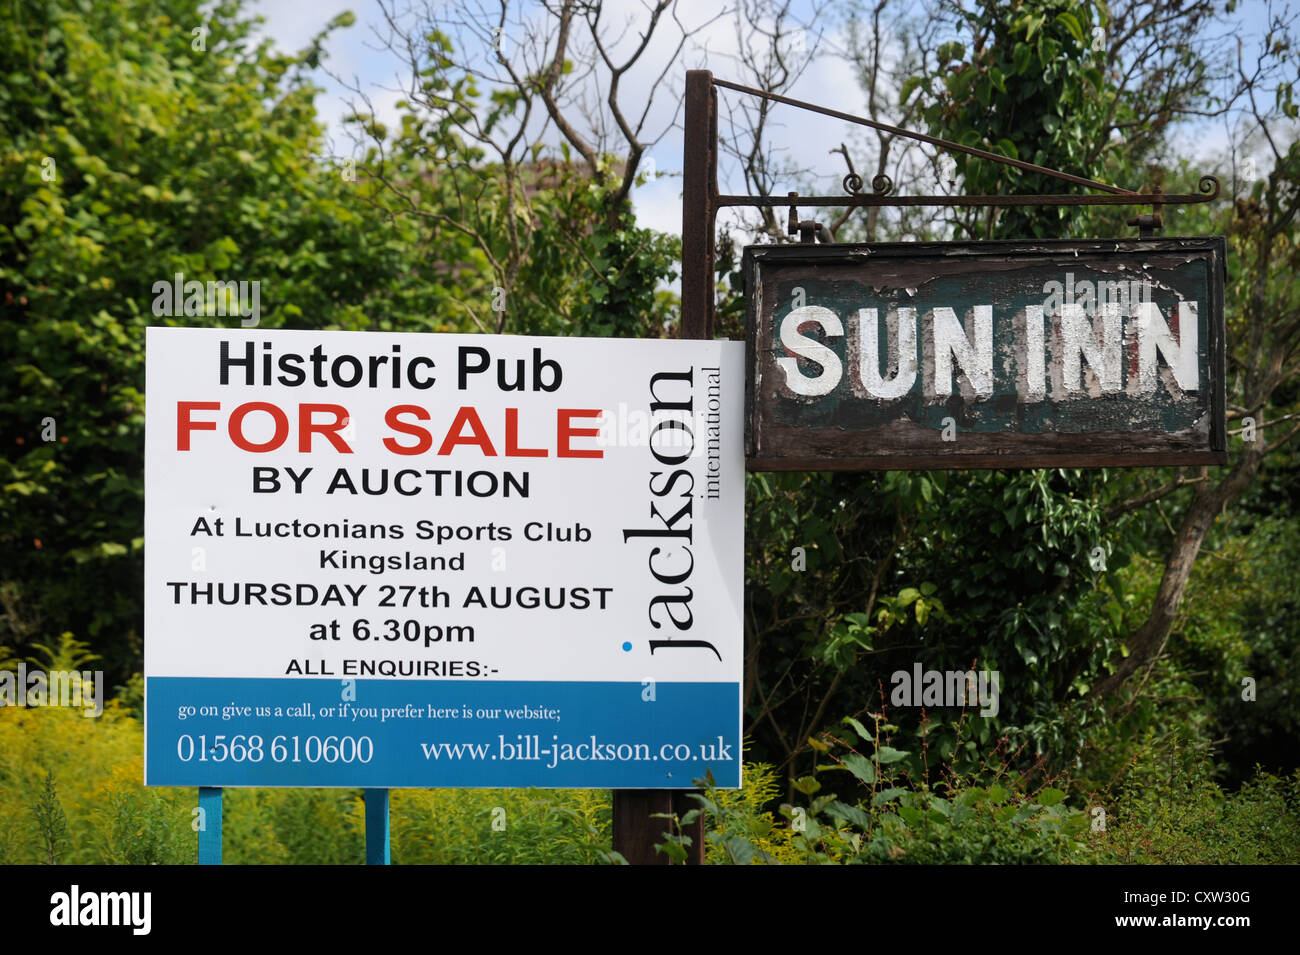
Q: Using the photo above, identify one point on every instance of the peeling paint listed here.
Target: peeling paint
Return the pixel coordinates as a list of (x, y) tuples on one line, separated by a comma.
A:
[(895, 338)]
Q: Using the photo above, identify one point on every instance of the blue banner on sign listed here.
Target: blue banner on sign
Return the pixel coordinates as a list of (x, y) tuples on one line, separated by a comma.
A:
[(209, 731)]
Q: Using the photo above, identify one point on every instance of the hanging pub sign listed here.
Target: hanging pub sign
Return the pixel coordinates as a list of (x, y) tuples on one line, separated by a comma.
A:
[(985, 354)]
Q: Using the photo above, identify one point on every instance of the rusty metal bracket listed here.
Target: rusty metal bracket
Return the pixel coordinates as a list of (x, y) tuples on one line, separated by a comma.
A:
[(1148, 223), (809, 230), (1207, 186)]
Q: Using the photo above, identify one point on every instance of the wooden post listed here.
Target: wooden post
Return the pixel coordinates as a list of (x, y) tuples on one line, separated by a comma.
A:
[(699, 204), (378, 849), (635, 832), (210, 830)]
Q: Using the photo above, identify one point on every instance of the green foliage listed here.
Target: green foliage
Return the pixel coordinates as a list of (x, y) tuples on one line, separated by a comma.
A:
[(530, 244), (740, 830), (1165, 810), (987, 817), (889, 820), (130, 156), (130, 696), (501, 826), (71, 791), (51, 821), (1030, 87), (137, 826), (1168, 811), (70, 654), (978, 826), (293, 826), (900, 569), (1246, 630)]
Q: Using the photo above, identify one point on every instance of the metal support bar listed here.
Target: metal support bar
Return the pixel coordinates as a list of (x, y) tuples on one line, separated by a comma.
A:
[(1208, 183), (1207, 186), (210, 825), (378, 851)]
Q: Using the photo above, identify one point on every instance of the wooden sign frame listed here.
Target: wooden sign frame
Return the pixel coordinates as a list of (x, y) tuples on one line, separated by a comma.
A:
[(852, 430)]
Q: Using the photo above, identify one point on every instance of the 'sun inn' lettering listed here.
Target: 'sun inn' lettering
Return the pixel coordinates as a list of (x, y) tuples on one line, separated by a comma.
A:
[(1079, 353)]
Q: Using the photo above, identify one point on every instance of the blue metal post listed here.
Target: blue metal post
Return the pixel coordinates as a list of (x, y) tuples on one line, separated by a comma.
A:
[(210, 831), (377, 832)]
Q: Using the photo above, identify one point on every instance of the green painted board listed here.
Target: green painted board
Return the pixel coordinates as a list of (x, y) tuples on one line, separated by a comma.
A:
[(1062, 353)]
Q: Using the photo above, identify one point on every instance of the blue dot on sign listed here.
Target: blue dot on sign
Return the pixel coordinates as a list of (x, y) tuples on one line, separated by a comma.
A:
[(626, 645)]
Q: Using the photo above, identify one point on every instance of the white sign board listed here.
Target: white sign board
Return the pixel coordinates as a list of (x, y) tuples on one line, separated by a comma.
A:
[(386, 560)]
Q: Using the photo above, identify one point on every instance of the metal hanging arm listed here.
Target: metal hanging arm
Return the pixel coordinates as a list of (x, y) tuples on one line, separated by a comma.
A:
[(1207, 186)]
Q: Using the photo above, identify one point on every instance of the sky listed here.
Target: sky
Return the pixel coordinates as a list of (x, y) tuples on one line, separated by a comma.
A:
[(356, 54)]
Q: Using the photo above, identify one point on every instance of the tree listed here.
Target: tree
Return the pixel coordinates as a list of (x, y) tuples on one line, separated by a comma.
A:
[(144, 139), (1080, 88), (517, 137), (1263, 340)]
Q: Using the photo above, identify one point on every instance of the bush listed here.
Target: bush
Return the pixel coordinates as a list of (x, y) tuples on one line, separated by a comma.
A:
[(1168, 810), (71, 791), (501, 826), (893, 821)]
